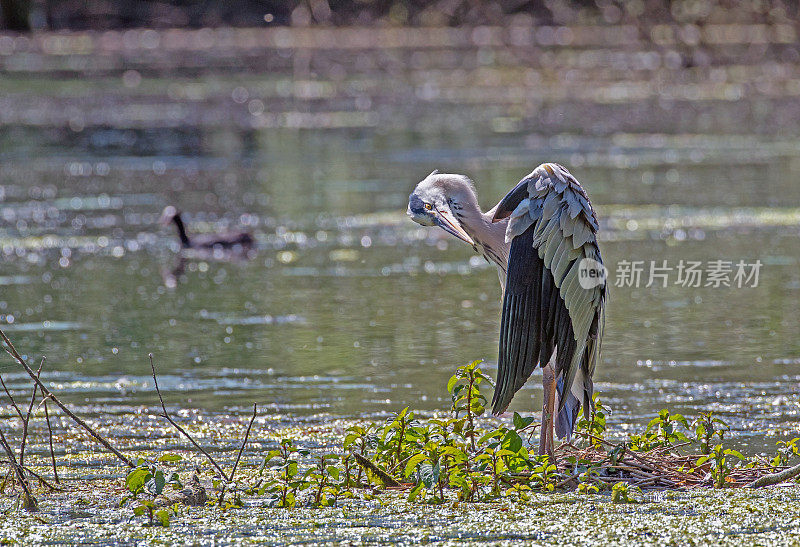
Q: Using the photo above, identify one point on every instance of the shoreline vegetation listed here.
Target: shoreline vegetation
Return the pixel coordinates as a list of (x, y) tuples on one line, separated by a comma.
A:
[(27, 15), (445, 459)]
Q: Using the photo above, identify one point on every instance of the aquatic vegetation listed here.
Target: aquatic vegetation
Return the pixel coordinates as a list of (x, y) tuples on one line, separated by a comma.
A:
[(662, 431), (707, 426), (451, 456), (149, 476), (786, 449), (622, 493), (595, 426), (721, 462), (421, 459)]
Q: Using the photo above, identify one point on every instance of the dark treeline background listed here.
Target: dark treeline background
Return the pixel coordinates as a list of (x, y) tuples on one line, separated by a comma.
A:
[(26, 15)]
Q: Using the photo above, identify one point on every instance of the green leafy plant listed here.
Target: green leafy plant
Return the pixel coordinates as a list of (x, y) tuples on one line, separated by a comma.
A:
[(288, 480), (721, 462), (464, 388), (621, 492), (707, 426), (786, 450), (595, 428), (325, 480), (661, 431), (399, 439), (156, 516), (441, 457), (358, 439), (150, 477)]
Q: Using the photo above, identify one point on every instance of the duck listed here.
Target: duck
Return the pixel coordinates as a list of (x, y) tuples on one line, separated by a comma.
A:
[(226, 240)]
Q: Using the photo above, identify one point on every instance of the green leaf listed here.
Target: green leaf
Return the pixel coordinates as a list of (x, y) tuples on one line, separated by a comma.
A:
[(170, 457), (136, 479), (518, 421), (271, 454), (415, 492), (413, 462), (162, 516), (491, 435), (350, 439), (512, 442), (429, 474), (158, 482), (451, 383)]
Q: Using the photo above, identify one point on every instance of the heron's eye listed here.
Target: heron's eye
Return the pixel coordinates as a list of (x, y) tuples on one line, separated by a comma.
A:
[(428, 206)]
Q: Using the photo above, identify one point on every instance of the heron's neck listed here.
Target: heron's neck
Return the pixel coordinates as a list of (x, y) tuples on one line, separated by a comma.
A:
[(181, 231), (485, 233)]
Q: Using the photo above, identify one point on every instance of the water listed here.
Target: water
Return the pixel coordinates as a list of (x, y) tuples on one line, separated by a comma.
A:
[(348, 308)]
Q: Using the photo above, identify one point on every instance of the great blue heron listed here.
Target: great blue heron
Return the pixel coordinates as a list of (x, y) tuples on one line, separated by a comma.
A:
[(542, 237), (228, 240)]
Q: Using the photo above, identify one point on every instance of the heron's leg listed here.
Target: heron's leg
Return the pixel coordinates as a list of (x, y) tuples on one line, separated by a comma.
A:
[(551, 408), (546, 433)]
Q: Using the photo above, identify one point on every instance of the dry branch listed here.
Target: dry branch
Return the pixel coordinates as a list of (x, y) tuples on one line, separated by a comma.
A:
[(27, 419), (50, 440), (664, 467), (241, 449), (47, 393), (13, 402), (775, 478), (29, 502), (180, 429)]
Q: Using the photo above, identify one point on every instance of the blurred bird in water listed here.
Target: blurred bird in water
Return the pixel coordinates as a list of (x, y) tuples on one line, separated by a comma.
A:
[(227, 240), (542, 237)]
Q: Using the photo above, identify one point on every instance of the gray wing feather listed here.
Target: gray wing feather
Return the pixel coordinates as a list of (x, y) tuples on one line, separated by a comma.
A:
[(544, 304)]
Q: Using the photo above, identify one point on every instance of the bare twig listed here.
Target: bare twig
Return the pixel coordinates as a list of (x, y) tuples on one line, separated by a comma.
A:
[(37, 476), (241, 449), (29, 502), (27, 419), (47, 393), (775, 478), (244, 442), (50, 439), (13, 402), (180, 429), (568, 480)]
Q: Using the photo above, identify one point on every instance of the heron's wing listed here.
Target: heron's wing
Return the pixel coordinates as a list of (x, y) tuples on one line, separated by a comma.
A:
[(545, 305)]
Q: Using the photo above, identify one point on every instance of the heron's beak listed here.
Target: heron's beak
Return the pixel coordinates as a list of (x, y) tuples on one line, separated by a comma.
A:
[(449, 223)]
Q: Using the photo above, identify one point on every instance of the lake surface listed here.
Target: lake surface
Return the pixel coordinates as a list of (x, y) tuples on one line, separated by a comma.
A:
[(348, 308)]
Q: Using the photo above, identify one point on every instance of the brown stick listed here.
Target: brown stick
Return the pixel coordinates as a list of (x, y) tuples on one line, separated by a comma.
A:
[(244, 442), (29, 502), (50, 439), (775, 478), (180, 429), (13, 402), (38, 477), (49, 394), (241, 449), (27, 419), (382, 475)]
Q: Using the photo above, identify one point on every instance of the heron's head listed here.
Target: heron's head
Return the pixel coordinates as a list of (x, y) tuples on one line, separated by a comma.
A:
[(168, 215), (440, 200)]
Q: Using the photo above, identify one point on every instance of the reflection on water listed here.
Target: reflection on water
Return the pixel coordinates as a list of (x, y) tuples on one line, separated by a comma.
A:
[(347, 307)]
